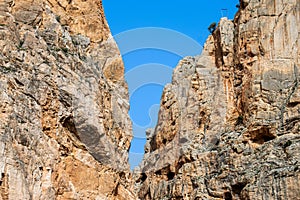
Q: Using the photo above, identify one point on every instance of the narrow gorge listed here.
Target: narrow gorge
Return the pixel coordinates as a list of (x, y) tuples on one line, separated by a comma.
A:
[(228, 125)]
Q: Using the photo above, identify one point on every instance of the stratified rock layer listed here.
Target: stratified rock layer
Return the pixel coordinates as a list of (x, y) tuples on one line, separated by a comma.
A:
[(229, 122), (64, 128)]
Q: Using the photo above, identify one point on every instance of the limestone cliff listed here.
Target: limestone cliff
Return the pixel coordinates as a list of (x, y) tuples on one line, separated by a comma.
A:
[(229, 122), (64, 128)]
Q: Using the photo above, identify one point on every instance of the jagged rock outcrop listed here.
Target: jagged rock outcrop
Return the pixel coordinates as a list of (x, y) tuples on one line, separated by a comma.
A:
[(229, 122), (64, 127)]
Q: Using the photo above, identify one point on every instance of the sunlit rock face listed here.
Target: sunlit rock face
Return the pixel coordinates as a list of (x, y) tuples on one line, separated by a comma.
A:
[(64, 127), (229, 122)]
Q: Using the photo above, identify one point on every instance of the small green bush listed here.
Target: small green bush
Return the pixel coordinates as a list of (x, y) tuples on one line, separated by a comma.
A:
[(287, 144), (212, 27), (57, 17), (239, 120)]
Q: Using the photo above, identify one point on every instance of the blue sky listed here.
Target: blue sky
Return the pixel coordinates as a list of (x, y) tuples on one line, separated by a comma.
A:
[(181, 31)]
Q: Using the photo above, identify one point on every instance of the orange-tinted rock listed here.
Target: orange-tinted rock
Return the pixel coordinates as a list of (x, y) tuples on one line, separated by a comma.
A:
[(64, 128)]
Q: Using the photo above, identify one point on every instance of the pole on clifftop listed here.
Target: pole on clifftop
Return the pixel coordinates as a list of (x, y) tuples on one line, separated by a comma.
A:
[(224, 12)]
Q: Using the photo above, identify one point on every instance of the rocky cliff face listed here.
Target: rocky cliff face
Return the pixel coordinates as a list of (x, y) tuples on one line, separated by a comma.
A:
[(64, 128), (228, 125), (229, 122)]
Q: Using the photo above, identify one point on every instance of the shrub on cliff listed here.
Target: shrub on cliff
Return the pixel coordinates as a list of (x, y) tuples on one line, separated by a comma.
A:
[(212, 27)]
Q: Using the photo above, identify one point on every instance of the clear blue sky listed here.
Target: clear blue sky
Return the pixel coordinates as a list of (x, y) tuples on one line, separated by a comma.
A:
[(189, 17)]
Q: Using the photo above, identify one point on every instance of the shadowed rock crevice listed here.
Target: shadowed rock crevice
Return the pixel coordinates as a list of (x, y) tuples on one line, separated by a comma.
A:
[(69, 124), (4, 187), (238, 187), (219, 62), (261, 135), (227, 196)]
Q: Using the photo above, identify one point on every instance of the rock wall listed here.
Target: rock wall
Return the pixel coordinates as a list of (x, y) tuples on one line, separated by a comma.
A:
[(229, 122), (64, 128)]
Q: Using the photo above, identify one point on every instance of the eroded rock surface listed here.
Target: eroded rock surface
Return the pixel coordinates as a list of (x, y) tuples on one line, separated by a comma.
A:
[(64, 128), (229, 122), (228, 126)]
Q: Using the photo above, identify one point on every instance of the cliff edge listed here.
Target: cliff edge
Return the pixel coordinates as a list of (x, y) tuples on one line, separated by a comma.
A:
[(229, 122), (64, 127)]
